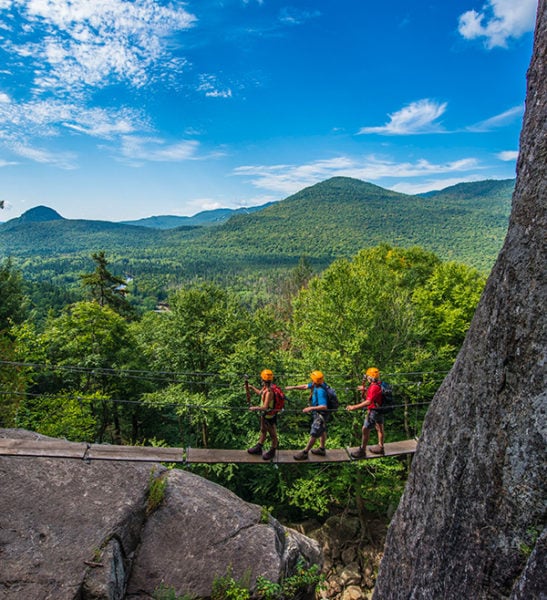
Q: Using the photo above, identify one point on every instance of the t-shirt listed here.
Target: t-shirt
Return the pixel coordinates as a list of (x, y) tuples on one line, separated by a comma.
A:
[(319, 395), (374, 394)]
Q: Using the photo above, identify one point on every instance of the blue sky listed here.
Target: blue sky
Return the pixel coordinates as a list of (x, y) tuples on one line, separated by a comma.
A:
[(117, 110)]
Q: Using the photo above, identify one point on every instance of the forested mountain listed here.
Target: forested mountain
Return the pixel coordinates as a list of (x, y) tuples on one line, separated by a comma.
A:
[(203, 218), (38, 214), (329, 220)]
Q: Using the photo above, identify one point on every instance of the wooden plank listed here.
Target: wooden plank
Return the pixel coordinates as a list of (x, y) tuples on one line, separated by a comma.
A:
[(135, 453), (42, 448), (332, 455), (390, 449), (212, 456), (402, 447)]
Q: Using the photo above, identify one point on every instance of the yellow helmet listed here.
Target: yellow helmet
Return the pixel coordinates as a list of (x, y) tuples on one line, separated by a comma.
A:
[(317, 377), (266, 375), (373, 372)]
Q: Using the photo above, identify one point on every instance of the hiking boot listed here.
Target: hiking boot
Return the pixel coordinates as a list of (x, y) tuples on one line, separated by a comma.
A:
[(301, 455), (257, 449), (319, 451), (359, 453), (376, 449), (269, 454)]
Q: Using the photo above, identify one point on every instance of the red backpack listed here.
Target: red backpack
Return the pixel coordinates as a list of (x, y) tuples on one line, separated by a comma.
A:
[(279, 400)]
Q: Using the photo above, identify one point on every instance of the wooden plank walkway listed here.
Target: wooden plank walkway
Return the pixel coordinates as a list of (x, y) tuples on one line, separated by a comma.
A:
[(135, 453), (88, 452), (211, 456), (42, 448)]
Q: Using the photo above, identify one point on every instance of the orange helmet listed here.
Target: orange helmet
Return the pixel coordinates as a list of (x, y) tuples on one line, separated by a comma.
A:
[(373, 372), (317, 377), (266, 375)]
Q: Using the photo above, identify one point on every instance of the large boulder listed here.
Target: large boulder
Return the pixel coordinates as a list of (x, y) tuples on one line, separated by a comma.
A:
[(471, 520), (71, 529)]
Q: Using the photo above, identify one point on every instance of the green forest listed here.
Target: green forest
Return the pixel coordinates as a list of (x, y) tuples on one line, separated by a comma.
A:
[(253, 251), (98, 367)]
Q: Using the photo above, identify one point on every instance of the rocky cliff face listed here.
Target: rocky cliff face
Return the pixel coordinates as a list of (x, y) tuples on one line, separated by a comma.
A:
[(92, 531), (471, 521)]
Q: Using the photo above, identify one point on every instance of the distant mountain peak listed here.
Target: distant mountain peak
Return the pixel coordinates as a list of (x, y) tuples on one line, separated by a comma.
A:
[(39, 214)]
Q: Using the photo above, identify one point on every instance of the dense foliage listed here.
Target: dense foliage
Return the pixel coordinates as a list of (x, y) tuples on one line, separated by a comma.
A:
[(93, 372)]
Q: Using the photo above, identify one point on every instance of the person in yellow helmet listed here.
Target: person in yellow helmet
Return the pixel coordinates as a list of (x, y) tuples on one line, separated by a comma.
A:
[(319, 409), (372, 400), (268, 418)]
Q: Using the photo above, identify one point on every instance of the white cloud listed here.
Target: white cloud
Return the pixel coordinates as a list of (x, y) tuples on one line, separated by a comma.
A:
[(508, 155), (63, 160), (295, 16), (47, 118), (41, 120), (431, 184), (416, 117), (497, 121), (210, 87), (72, 45), (288, 179), (498, 21), (6, 163), (137, 149)]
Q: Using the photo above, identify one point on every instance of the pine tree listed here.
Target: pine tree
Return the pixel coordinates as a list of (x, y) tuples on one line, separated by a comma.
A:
[(105, 288)]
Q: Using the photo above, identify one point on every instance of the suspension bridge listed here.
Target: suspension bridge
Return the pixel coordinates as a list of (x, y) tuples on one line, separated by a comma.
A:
[(24, 447)]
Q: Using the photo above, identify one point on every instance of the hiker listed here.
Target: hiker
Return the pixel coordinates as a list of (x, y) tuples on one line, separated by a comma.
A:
[(268, 418), (318, 407), (374, 419)]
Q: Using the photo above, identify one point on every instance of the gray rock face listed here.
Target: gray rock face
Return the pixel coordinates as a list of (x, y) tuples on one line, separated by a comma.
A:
[(471, 521), (69, 529)]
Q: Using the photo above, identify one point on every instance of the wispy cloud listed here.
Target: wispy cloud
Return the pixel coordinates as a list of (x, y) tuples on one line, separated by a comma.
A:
[(428, 185), (288, 179), (508, 155), (498, 21), (415, 118), (43, 119), (294, 16), (72, 45), (127, 131), (64, 52), (210, 86), (136, 150), (63, 160), (497, 121), (6, 163)]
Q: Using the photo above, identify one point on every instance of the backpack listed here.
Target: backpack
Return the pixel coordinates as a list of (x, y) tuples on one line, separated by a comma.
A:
[(332, 398), (279, 400), (388, 405)]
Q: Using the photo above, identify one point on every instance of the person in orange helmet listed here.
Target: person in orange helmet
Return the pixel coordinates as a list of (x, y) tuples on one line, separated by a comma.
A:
[(268, 417), (319, 409), (374, 419)]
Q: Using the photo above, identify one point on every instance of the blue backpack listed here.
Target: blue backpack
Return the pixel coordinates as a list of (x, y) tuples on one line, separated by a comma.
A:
[(388, 404), (332, 398)]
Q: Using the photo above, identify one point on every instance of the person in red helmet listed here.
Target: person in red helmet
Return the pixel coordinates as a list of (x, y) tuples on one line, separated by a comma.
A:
[(319, 409), (268, 418), (374, 420)]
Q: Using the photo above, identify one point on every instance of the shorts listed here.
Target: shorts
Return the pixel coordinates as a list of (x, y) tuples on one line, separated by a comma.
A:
[(372, 419), (269, 421), (318, 425)]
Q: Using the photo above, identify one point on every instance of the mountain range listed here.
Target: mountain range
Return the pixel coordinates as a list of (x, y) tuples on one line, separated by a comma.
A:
[(332, 219)]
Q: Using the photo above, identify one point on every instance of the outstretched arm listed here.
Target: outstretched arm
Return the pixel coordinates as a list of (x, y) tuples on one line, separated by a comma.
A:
[(363, 404)]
